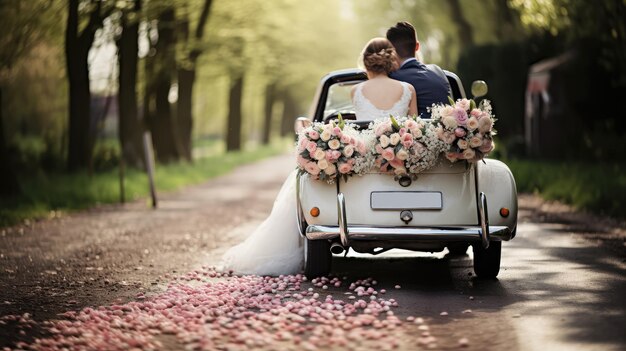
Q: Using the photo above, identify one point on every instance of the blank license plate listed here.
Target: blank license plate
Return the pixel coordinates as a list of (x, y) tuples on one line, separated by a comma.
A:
[(406, 200)]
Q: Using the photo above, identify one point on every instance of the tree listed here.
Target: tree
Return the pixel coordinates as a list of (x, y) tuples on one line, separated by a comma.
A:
[(160, 70), (130, 127), (187, 75), (24, 24), (77, 45)]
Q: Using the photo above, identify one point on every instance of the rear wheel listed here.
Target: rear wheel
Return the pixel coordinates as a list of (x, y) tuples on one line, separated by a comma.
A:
[(487, 261), (458, 249), (317, 258)]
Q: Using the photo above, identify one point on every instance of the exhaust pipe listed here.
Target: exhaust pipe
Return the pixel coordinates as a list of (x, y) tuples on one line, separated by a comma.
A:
[(336, 248)]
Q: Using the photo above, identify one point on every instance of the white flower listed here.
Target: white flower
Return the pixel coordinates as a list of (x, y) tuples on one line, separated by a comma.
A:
[(334, 144), (384, 141), (462, 143), (331, 169), (447, 111), (322, 164), (416, 132), (394, 139), (402, 155), (348, 150), (472, 123), (319, 154), (449, 122), (325, 135)]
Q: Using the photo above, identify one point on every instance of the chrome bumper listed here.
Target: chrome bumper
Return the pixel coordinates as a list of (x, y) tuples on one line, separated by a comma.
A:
[(483, 232), (364, 233)]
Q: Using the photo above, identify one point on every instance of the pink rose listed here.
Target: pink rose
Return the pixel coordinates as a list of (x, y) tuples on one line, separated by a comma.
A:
[(407, 140), (464, 104), (302, 161), (452, 156), (353, 141), (314, 135), (469, 154), (336, 154), (402, 131), (361, 147), (411, 125), (351, 161), (460, 115), (312, 168), (329, 155), (388, 154), (302, 143), (476, 113), (448, 137), (311, 147), (459, 132), (486, 147), (345, 168), (337, 131), (345, 139), (379, 149), (485, 125)]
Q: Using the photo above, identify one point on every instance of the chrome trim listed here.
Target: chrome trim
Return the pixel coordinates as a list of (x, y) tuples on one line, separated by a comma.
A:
[(365, 233), (484, 220), (343, 222), (299, 213)]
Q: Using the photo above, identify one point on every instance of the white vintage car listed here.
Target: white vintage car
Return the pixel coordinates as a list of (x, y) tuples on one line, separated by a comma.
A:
[(443, 207)]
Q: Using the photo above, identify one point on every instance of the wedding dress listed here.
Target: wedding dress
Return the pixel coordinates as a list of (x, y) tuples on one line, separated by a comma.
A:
[(275, 247), (365, 110)]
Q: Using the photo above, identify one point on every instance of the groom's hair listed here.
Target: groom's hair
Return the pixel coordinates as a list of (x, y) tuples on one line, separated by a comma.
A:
[(403, 38)]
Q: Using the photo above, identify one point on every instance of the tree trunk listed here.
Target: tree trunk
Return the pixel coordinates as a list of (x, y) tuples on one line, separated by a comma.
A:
[(164, 128), (9, 185), (269, 104), (130, 127), (186, 80), (76, 54), (289, 114), (464, 29), (233, 133), (77, 45)]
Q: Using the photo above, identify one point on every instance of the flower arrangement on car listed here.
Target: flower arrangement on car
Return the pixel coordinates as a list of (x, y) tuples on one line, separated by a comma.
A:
[(405, 145), (329, 151), (466, 128)]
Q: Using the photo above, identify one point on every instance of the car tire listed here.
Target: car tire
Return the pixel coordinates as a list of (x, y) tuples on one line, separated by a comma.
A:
[(317, 258), (458, 249), (487, 261)]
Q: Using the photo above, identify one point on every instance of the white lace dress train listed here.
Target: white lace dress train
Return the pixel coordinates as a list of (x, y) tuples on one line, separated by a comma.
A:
[(274, 248)]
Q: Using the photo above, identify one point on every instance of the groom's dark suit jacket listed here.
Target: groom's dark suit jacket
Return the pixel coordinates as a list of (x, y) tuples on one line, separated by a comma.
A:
[(430, 86)]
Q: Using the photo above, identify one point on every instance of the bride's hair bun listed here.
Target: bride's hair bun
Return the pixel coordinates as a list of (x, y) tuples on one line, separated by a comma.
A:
[(379, 56)]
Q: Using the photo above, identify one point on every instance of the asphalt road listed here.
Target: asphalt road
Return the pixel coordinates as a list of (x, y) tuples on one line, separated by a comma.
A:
[(556, 290)]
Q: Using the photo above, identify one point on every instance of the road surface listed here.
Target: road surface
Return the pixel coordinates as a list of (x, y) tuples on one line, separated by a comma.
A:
[(556, 290)]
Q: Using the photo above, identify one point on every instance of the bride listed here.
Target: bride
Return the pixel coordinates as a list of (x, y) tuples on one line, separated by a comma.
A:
[(275, 248)]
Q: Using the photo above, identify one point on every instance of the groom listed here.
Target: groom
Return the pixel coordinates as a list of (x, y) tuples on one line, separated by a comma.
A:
[(430, 83)]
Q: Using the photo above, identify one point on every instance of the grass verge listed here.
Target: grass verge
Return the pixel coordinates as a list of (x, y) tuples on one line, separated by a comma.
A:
[(598, 188), (45, 195)]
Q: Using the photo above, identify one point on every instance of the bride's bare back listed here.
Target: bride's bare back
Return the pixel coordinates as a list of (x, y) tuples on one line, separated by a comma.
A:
[(381, 96)]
